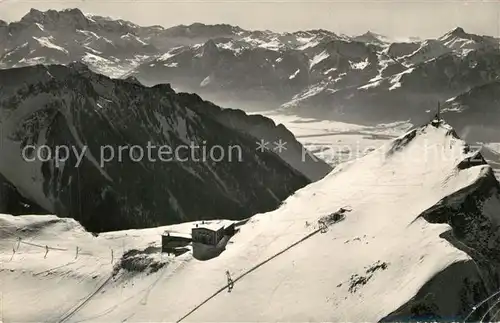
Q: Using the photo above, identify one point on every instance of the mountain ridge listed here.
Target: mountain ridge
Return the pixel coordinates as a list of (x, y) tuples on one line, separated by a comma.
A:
[(69, 99), (314, 73)]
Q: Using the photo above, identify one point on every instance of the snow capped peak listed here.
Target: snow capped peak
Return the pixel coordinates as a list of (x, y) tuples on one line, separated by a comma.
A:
[(459, 32), (37, 15), (435, 145), (464, 42), (210, 47), (57, 19), (429, 49), (202, 25), (78, 66), (322, 32), (370, 34), (75, 12), (198, 29), (371, 37), (34, 15)]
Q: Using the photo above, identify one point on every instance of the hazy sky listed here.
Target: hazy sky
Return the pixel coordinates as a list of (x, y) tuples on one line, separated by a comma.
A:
[(393, 18)]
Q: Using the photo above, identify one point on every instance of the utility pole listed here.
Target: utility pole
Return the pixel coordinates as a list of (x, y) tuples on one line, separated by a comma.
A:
[(437, 117), (230, 282)]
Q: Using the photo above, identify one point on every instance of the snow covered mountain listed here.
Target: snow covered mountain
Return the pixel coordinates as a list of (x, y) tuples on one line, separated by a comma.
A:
[(429, 49), (109, 46), (264, 70), (407, 94), (476, 113), (417, 240), (92, 116), (460, 40), (360, 80), (374, 38), (69, 35)]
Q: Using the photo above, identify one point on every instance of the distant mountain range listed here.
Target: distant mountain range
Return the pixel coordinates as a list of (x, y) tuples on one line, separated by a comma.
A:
[(362, 79)]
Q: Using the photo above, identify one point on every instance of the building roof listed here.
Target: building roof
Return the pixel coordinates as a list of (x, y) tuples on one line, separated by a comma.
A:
[(176, 234), (213, 226)]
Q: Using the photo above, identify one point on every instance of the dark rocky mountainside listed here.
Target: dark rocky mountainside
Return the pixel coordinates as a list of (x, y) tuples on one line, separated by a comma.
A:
[(74, 107), (12, 202), (476, 113), (264, 128)]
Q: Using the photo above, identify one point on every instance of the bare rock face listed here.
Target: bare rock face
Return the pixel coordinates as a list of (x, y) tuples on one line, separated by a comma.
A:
[(266, 130), (12, 202)]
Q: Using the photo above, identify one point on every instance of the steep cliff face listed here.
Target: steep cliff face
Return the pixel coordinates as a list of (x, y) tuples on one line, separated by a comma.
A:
[(472, 214), (475, 113), (266, 130), (11, 202), (207, 169)]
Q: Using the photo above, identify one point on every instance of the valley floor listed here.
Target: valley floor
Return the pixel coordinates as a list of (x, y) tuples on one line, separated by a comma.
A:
[(337, 142)]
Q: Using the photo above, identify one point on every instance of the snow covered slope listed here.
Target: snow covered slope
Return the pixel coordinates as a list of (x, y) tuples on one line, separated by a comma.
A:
[(419, 239), (429, 49)]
